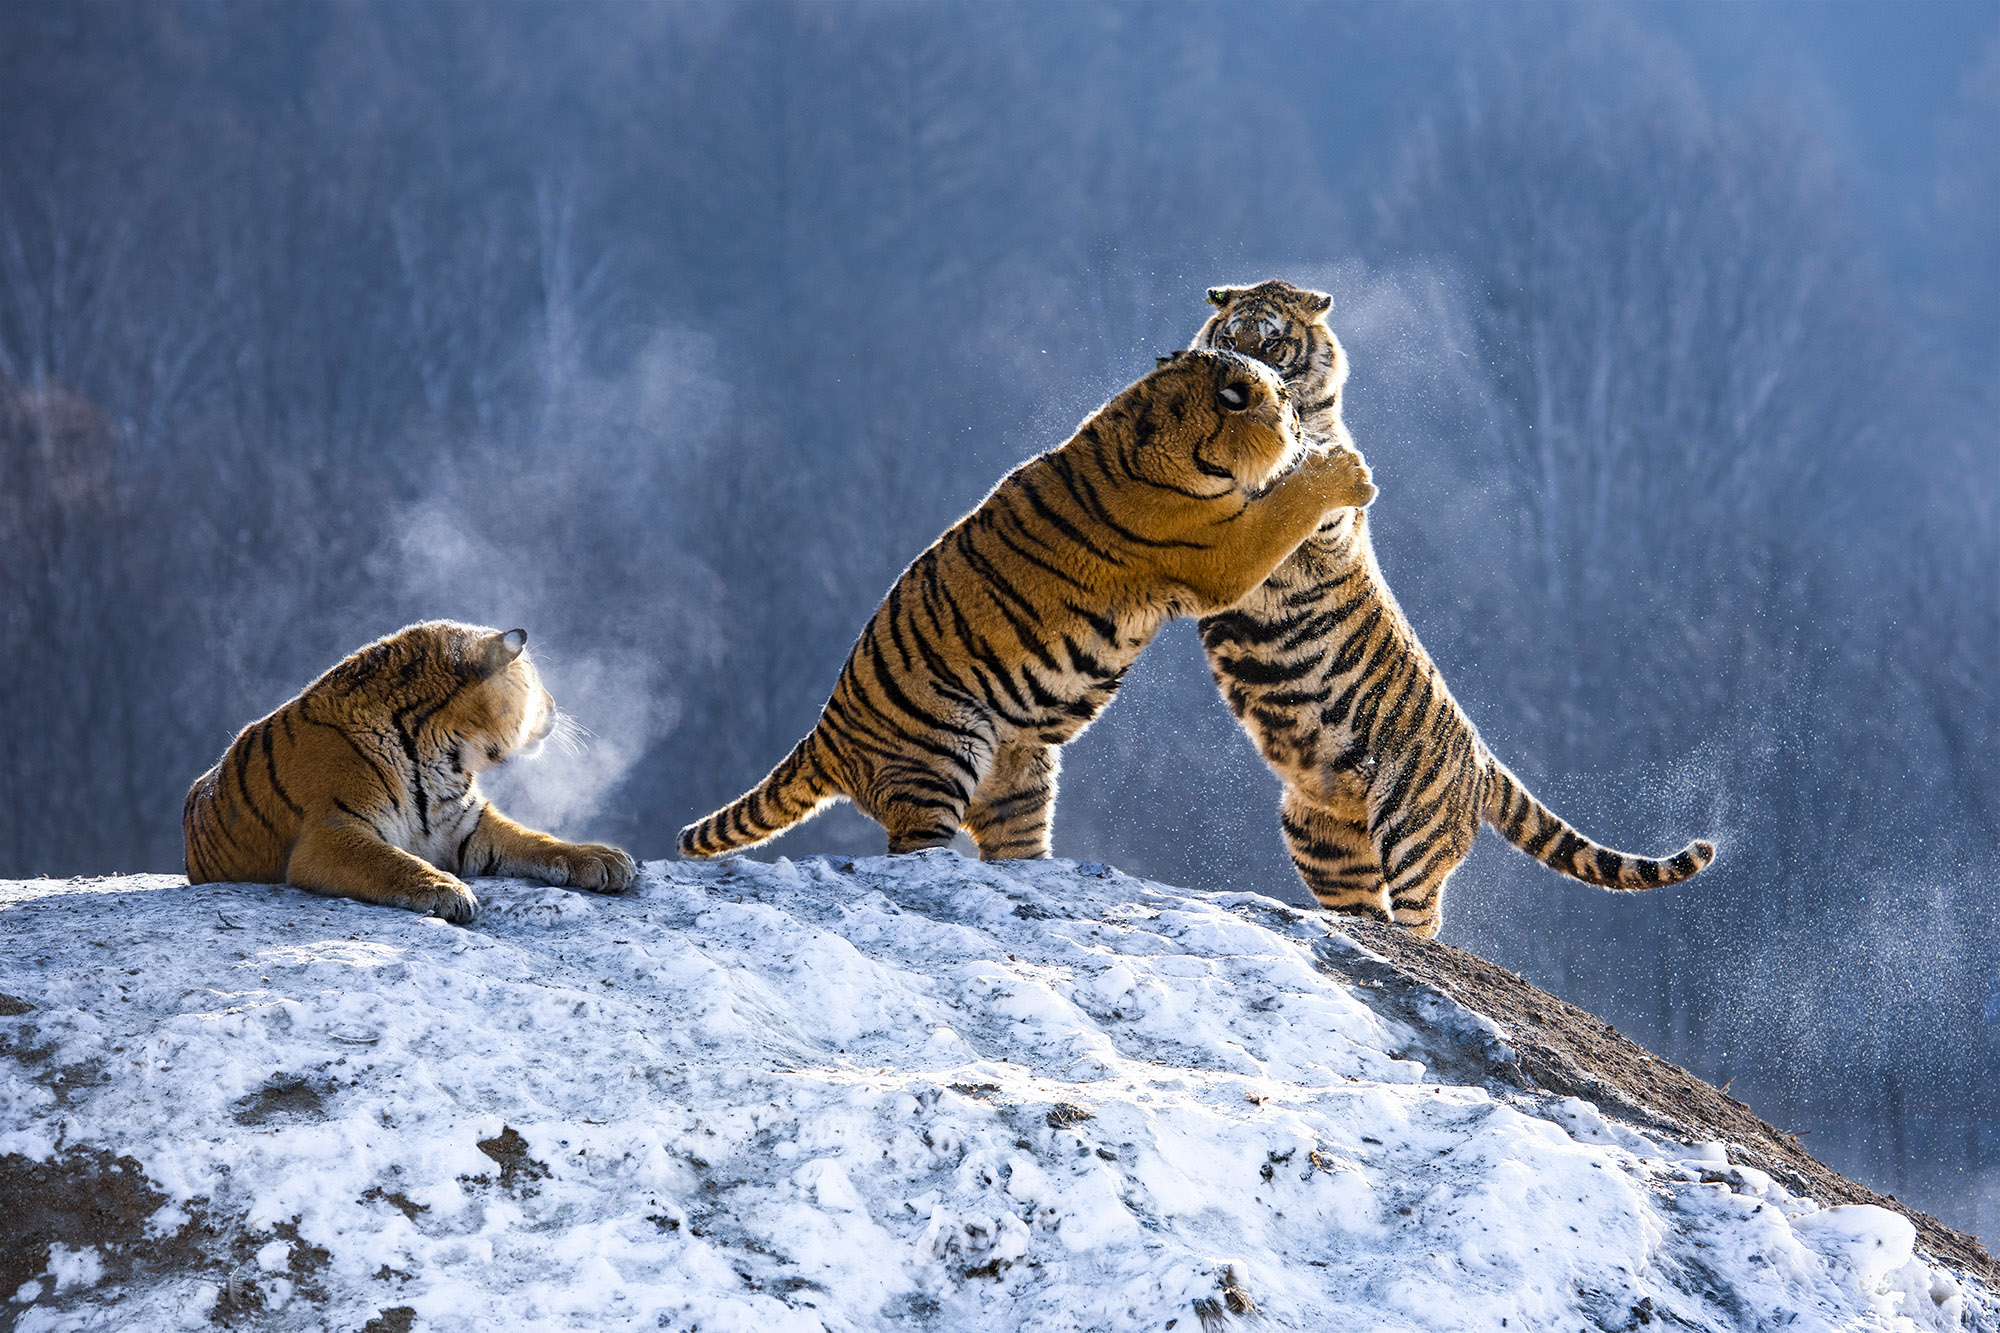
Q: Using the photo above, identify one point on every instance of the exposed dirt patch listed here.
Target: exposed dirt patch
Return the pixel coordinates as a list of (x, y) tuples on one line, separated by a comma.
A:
[(1567, 1052), (400, 1201), (518, 1171), (282, 1101), (398, 1319), (246, 1288), (87, 1199), (12, 1006), (81, 1199)]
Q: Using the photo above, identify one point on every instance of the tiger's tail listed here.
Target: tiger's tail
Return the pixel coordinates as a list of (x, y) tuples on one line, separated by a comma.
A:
[(1524, 821), (796, 790)]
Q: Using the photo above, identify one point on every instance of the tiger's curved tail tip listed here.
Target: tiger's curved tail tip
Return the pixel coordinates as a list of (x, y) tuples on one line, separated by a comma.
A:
[(706, 839), (1688, 862)]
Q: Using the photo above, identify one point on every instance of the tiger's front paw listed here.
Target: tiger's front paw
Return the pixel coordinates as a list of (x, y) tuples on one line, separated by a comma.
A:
[(443, 897), (1342, 477), (594, 866)]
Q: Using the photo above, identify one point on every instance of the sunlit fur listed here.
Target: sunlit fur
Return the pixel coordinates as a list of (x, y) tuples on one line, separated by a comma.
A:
[(367, 784), (1386, 781), (1004, 639)]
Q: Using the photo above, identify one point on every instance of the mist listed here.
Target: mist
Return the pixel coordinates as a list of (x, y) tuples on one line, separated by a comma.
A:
[(671, 333)]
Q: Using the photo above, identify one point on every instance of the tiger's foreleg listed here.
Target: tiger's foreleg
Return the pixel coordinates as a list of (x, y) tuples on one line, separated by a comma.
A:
[(343, 856), (1270, 526), (1009, 814), (499, 846), (1332, 852)]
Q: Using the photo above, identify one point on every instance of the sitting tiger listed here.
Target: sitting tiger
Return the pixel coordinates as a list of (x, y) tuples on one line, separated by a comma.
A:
[(367, 784), (1385, 780), (1005, 638)]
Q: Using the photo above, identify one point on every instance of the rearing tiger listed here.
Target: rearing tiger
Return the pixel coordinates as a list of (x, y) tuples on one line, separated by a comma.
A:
[(1386, 781), (1004, 639)]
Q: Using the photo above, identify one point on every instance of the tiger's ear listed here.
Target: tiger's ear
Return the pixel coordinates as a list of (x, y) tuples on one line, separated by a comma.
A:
[(1318, 303), (1219, 296), (496, 652)]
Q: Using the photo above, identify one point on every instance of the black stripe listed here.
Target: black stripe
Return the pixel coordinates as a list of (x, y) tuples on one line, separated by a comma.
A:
[(422, 797), (1063, 525), (1001, 591), (1563, 855), (1088, 499), (998, 810), (1036, 560), (271, 774), (242, 771), (1251, 671), (359, 818), (1414, 682), (886, 681), (381, 775), (1104, 626), (1544, 835)]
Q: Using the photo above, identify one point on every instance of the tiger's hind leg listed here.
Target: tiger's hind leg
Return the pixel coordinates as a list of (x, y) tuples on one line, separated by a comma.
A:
[(1421, 841), (920, 806), (1009, 814), (1331, 850)]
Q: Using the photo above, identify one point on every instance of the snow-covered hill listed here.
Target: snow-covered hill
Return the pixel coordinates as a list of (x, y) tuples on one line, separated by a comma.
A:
[(913, 1092)]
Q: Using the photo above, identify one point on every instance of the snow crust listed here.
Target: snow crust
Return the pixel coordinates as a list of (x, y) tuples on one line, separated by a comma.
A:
[(911, 1092)]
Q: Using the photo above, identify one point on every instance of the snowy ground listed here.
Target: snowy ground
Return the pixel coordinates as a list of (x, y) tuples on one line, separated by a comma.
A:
[(915, 1092)]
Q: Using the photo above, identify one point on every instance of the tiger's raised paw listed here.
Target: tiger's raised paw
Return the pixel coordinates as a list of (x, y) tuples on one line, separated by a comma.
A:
[(593, 866), (1342, 475)]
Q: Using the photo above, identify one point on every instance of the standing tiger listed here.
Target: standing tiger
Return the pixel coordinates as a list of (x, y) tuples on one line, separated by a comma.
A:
[(367, 784), (1004, 639), (1386, 782)]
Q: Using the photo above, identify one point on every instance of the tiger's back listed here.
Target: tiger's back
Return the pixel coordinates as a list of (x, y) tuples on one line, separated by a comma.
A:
[(1385, 779)]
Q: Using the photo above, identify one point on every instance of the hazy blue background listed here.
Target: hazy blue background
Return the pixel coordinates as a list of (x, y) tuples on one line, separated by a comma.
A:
[(672, 332)]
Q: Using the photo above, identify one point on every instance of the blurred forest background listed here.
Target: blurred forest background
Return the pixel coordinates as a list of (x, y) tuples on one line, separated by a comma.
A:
[(673, 331)]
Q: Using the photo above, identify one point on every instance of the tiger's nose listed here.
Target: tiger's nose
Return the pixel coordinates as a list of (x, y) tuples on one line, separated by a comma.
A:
[(1241, 338)]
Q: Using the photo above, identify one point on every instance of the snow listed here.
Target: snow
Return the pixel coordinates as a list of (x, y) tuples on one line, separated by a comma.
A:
[(910, 1092)]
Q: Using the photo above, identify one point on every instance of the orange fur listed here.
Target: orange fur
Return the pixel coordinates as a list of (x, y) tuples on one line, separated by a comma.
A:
[(366, 784)]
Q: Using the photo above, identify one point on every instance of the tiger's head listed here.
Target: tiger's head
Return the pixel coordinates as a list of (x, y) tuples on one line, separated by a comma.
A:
[(468, 690), (1284, 327), (1209, 420), (504, 707)]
